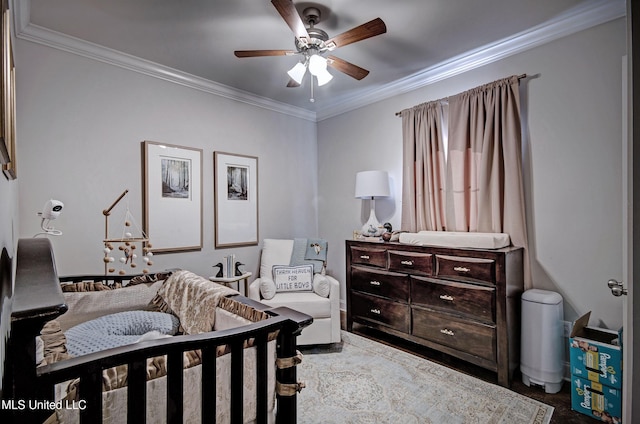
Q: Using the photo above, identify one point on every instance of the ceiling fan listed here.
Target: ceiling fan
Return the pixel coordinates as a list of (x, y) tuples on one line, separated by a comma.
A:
[(313, 44)]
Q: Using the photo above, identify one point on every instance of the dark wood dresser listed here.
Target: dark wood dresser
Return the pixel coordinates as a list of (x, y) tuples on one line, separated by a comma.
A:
[(463, 302)]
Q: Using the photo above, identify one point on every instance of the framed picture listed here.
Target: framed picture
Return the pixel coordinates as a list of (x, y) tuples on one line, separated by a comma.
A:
[(7, 99), (172, 197), (236, 199)]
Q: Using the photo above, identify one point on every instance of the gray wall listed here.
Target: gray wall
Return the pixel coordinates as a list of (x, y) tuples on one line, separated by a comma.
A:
[(572, 164), (80, 125)]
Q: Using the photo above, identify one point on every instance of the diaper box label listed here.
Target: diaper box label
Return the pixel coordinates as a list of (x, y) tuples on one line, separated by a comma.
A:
[(595, 354), (596, 400)]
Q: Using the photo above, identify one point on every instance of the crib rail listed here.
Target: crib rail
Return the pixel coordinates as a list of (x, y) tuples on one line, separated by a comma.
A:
[(89, 369)]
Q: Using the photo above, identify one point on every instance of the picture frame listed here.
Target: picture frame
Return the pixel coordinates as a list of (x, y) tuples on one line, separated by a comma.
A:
[(7, 98), (236, 199), (172, 197)]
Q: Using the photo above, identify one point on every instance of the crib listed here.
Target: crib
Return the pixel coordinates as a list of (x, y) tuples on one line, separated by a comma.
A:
[(29, 391)]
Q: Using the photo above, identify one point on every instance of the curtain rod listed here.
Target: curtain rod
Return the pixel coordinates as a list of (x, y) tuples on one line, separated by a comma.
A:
[(521, 76)]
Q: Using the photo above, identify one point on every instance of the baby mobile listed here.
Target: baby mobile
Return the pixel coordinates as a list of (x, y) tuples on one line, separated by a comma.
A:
[(128, 245)]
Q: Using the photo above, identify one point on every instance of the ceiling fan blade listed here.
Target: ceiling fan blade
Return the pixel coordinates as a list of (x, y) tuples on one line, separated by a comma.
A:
[(348, 68), (292, 83), (257, 53), (290, 15), (359, 33)]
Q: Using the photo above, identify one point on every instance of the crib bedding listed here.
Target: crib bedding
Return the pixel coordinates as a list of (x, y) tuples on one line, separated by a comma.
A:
[(214, 312), (117, 330)]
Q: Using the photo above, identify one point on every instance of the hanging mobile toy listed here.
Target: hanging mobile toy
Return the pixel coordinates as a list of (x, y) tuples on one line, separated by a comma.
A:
[(128, 243)]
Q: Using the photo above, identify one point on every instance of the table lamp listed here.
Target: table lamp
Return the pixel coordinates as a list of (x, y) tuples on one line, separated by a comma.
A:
[(369, 185)]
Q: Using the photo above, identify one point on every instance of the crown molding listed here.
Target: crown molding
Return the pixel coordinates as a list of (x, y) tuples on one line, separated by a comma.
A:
[(586, 16), (37, 34), (593, 13)]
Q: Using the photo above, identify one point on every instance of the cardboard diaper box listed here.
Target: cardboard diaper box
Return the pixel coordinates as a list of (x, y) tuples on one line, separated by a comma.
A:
[(596, 371), (596, 400), (596, 353)]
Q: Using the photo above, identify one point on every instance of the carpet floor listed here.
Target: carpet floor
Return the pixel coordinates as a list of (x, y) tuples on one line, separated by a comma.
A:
[(362, 381)]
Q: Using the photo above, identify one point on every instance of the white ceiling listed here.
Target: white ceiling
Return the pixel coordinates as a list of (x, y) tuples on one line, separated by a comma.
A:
[(197, 38)]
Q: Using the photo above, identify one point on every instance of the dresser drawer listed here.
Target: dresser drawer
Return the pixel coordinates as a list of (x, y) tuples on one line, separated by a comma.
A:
[(381, 311), (369, 256), (381, 283), (475, 301), (410, 262), (467, 336), (471, 269)]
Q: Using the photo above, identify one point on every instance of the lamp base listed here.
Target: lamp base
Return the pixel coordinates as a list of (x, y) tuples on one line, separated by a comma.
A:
[(372, 228)]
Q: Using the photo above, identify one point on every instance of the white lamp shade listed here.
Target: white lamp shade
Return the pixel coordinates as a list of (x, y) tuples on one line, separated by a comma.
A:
[(370, 184), (297, 72), (317, 64), (323, 77)]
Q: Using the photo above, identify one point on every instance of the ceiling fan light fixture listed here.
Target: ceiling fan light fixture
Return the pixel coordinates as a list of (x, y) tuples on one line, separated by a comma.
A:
[(312, 42), (323, 77), (317, 64), (297, 72)]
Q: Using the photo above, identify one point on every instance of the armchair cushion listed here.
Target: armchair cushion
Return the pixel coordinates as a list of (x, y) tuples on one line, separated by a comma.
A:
[(274, 252), (321, 285), (267, 288), (293, 278)]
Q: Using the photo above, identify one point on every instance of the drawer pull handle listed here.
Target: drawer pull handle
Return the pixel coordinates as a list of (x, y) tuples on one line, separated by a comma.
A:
[(375, 283), (376, 311), (408, 263), (446, 297), (364, 257), (461, 269), (447, 332)]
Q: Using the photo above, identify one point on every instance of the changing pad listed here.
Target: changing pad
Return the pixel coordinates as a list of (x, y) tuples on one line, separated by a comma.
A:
[(458, 239)]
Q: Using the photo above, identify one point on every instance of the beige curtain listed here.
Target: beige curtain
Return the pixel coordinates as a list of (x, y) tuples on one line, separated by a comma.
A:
[(484, 167), (423, 171)]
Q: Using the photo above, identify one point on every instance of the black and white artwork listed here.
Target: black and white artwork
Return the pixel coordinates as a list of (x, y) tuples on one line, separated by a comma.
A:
[(176, 177), (235, 178), (172, 180), (237, 183)]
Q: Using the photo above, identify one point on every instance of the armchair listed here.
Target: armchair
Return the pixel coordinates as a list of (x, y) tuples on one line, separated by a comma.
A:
[(324, 310)]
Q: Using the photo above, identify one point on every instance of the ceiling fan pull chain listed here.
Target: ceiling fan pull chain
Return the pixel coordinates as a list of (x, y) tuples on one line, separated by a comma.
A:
[(312, 100)]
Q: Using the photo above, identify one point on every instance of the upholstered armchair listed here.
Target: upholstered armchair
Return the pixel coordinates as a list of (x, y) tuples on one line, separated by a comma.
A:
[(318, 295)]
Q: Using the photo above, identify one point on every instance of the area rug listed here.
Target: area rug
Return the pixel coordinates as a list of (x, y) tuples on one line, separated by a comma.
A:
[(369, 382)]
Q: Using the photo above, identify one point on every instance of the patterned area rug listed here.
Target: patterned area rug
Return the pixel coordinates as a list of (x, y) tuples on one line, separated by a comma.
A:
[(369, 382)]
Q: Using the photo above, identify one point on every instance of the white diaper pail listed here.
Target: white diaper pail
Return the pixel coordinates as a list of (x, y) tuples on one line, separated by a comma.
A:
[(542, 347)]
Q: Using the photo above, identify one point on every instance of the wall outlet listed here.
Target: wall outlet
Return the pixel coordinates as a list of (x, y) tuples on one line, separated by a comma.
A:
[(567, 328)]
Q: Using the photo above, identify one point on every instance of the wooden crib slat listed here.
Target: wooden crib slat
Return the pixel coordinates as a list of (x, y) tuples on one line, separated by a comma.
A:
[(175, 387), (209, 394), (137, 392), (261, 378), (237, 381), (90, 390)]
